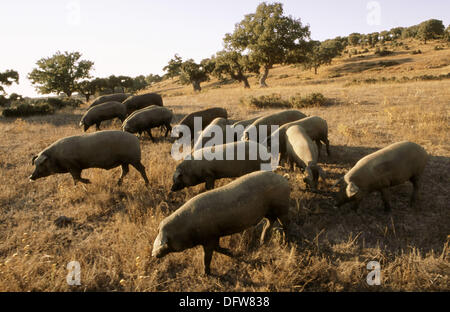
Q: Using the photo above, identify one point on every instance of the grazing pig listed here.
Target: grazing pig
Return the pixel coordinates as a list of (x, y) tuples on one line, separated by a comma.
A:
[(147, 118), (276, 119), (102, 112), (116, 97), (136, 102), (207, 134), (103, 149), (245, 123), (207, 115), (315, 127), (201, 167), (301, 150), (230, 209), (392, 165), (239, 127)]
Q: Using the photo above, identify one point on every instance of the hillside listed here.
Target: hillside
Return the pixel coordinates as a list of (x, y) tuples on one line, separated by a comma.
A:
[(114, 227)]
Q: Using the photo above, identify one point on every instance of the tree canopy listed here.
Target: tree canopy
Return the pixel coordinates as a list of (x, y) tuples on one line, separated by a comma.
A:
[(430, 29), (354, 38), (269, 37), (151, 78), (194, 74), (447, 34), (234, 65), (173, 69), (60, 73), (322, 53), (7, 78)]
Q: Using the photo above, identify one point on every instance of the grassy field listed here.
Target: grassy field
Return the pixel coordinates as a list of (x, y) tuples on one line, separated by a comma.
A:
[(114, 227)]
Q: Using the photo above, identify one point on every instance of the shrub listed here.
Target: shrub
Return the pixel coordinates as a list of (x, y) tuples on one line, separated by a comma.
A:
[(275, 101), (264, 101), (25, 110), (402, 79), (437, 48), (283, 76), (4, 101), (370, 80), (58, 103), (416, 52), (311, 100)]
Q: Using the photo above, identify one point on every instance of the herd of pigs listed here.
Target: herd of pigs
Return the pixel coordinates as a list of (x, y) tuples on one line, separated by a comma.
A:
[(254, 195)]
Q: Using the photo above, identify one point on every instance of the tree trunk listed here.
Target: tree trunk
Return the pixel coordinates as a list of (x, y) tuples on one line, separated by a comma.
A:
[(315, 70), (196, 86), (245, 81), (262, 80)]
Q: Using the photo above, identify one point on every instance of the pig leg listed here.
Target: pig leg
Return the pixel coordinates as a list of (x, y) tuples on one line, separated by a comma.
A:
[(208, 249), (209, 183), (291, 164), (76, 175), (140, 167), (415, 195), (222, 250), (168, 129), (149, 131), (97, 126), (125, 169), (319, 147), (327, 144), (385, 196)]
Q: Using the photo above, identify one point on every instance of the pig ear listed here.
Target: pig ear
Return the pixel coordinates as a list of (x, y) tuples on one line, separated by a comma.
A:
[(40, 160), (176, 174), (351, 189), (33, 159), (160, 245)]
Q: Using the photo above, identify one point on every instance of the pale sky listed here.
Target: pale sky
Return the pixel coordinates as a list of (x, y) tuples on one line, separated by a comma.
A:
[(138, 37)]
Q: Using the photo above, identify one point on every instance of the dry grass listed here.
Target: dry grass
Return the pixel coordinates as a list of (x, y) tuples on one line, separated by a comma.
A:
[(114, 227)]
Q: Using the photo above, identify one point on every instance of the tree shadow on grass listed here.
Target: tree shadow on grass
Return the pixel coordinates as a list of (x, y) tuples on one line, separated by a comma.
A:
[(400, 230), (365, 57), (358, 67), (58, 119)]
